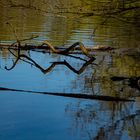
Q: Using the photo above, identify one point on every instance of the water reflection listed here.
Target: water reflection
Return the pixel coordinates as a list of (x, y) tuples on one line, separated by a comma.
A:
[(29, 60), (66, 29), (133, 82), (85, 118), (104, 121)]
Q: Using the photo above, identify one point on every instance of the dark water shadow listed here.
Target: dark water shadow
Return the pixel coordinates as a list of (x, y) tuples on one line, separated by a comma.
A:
[(133, 82)]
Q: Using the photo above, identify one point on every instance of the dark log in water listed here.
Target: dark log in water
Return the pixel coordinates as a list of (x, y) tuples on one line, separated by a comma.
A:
[(72, 95), (62, 50)]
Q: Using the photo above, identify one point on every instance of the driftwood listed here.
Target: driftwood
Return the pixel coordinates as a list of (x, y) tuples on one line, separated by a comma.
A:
[(59, 50), (45, 46), (19, 56), (67, 50), (72, 95)]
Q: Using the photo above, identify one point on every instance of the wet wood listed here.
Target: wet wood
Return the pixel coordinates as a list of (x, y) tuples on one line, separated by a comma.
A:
[(61, 50)]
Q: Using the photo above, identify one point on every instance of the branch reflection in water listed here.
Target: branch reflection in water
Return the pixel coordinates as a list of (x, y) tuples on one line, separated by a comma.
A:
[(32, 62)]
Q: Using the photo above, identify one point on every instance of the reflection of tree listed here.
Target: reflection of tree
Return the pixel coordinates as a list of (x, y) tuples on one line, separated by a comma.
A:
[(29, 60), (100, 123), (128, 87), (133, 82), (121, 125), (32, 62), (116, 75)]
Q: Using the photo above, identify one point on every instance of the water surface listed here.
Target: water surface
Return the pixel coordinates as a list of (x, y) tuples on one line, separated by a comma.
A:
[(36, 116)]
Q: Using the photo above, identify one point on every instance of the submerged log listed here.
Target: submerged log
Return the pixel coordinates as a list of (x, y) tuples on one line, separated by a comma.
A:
[(55, 49), (72, 95)]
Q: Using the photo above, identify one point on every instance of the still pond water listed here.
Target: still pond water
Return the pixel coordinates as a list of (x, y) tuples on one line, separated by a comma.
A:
[(28, 116)]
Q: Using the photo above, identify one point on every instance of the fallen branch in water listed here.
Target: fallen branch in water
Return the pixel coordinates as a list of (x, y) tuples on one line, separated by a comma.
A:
[(72, 95), (46, 46), (31, 47), (67, 50)]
